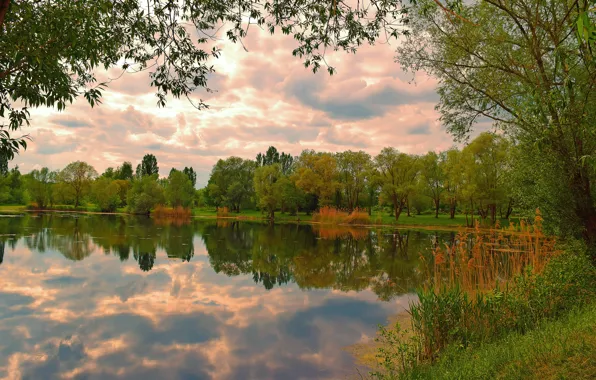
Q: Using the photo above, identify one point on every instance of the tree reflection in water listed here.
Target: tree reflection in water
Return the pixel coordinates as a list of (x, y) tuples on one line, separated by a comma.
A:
[(312, 257)]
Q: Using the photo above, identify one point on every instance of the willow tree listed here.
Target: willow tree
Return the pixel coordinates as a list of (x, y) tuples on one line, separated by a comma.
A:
[(521, 64)]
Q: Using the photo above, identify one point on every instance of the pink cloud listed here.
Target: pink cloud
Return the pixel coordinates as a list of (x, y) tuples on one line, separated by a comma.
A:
[(264, 97)]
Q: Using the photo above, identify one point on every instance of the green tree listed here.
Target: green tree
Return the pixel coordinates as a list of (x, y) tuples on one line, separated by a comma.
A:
[(268, 193), (39, 184), (231, 183), (179, 191), (316, 173), (453, 168), (521, 64), (78, 176), (398, 173), (353, 170), (124, 172), (109, 173), (191, 174), (148, 166), (145, 194), (106, 193), (433, 178)]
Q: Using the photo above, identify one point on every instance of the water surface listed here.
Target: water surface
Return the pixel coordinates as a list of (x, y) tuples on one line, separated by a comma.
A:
[(101, 297)]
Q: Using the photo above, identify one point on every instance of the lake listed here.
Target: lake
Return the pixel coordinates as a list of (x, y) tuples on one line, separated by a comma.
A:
[(100, 297)]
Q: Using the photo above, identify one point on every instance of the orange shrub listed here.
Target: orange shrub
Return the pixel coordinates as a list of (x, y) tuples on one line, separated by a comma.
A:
[(358, 217), (222, 212)]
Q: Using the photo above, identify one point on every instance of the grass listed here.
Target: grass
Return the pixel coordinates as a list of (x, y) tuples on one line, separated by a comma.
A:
[(12, 208), (559, 349), (480, 290)]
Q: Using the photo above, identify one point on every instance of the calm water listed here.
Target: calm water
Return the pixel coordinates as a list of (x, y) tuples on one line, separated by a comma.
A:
[(99, 297)]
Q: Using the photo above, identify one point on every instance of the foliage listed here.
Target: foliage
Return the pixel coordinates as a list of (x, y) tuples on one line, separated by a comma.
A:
[(316, 173), (532, 73), (124, 172), (39, 184), (354, 170), (49, 56), (398, 173), (106, 193), (266, 187), (191, 174), (148, 166), (77, 176), (179, 190), (145, 194), (469, 310), (231, 183)]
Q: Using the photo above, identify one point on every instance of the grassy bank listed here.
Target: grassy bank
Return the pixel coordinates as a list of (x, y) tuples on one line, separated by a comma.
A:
[(559, 349), (480, 299)]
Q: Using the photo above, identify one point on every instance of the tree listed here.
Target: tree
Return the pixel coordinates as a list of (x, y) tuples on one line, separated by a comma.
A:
[(109, 173), (145, 194), (231, 182), (353, 170), (39, 184), (124, 172), (521, 64), (148, 166), (398, 173), (316, 174), (3, 164), (180, 191), (268, 193), (191, 174), (106, 193), (49, 53), (486, 166), (433, 178), (78, 176), (453, 179)]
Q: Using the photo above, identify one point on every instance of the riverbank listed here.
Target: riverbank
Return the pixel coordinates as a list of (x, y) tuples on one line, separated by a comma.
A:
[(425, 221), (560, 349)]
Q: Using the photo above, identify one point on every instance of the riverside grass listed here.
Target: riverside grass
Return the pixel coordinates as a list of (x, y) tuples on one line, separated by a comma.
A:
[(479, 291)]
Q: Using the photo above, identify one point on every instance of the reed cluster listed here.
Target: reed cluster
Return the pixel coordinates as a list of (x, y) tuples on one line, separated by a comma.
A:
[(332, 215), (223, 212), (484, 285), (162, 212)]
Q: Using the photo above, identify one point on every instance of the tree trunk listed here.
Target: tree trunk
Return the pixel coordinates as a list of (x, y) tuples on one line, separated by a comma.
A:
[(509, 209), (452, 208), (408, 205), (437, 204)]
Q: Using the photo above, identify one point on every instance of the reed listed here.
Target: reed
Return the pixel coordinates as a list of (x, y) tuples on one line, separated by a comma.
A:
[(483, 286), (223, 212), (161, 211), (332, 215)]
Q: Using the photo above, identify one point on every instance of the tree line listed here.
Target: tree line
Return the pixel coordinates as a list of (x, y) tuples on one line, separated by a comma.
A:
[(79, 183), (473, 180)]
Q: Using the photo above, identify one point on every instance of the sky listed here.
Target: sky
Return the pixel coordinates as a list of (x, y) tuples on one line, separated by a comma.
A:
[(264, 96)]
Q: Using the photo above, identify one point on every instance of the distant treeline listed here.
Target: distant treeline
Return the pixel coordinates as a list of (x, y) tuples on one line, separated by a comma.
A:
[(475, 180)]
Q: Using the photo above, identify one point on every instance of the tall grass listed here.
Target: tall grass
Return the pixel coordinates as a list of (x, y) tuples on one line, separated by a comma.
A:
[(483, 287), (332, 215), (483, 260), (161, 211), (223, 212)]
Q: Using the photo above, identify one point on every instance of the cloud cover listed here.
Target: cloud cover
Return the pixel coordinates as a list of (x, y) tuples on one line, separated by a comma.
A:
[(263, 97)]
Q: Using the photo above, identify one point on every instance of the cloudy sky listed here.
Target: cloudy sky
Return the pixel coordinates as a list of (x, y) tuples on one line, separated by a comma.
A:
[(264, 97)]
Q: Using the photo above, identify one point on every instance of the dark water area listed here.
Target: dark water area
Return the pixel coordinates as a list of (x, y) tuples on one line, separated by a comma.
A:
[(102, 297)]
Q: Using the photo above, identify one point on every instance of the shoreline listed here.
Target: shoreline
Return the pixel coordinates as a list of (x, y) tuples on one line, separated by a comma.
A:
[(242, 218)]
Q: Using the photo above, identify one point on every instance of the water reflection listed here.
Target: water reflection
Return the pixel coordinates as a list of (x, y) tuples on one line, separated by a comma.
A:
[(117, 297)]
